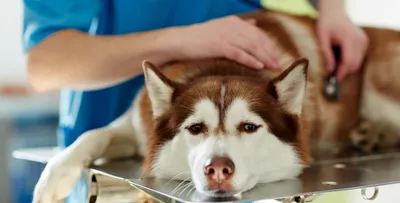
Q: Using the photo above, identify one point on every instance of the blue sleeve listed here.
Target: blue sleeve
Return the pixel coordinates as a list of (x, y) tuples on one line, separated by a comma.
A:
[(45, 17)]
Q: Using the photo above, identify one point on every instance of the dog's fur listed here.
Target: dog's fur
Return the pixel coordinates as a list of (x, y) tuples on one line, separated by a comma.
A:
[(292, 117)]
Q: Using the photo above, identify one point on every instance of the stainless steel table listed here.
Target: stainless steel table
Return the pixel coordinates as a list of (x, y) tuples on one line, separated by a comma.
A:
[(331, 173)]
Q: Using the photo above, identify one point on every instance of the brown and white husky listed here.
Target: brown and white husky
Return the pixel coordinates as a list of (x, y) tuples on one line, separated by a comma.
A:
[(227, 127)]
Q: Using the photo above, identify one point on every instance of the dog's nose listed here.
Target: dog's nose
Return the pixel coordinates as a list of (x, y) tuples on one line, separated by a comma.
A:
[(219, 168)]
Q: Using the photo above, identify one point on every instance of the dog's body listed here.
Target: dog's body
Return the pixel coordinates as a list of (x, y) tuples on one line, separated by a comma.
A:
[(193, 113)]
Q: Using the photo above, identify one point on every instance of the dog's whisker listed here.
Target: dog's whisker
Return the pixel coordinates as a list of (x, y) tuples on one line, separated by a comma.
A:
[(187, 186), (176, 176), (177, 187), (191, 190)]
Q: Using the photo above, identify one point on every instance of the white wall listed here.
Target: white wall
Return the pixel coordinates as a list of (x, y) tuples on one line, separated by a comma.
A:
[(12, 63), (380, 13), (11, 70), (11, 57)]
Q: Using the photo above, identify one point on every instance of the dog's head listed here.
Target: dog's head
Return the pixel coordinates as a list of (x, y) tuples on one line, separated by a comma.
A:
[(227, 133)]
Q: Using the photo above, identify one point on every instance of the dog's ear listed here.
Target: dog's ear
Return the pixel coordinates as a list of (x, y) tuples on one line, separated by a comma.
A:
[(159, 88), (290, 86)]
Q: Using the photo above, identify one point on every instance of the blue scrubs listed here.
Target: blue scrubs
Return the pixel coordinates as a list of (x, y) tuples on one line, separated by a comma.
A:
[(81, 111)]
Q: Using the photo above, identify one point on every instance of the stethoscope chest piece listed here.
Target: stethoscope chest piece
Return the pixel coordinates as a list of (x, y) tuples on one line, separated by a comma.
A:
[(331, 86), (331, 89)]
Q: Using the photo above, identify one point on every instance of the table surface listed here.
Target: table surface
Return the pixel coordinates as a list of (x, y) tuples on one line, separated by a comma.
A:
[(331, 172)]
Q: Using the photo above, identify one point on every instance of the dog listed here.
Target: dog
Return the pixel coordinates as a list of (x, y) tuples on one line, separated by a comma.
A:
[(227, 127)]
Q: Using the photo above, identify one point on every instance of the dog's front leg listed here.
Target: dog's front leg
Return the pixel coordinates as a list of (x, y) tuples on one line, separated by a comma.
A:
[(62, 172)]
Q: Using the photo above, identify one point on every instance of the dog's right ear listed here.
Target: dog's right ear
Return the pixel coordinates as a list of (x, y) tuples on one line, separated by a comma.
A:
[(159, 88), (290, 86)]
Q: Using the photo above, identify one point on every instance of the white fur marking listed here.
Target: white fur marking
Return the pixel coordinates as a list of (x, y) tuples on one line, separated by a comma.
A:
[(204, 111), (137, 125), (379, 109), (238, 112), (222, 99)]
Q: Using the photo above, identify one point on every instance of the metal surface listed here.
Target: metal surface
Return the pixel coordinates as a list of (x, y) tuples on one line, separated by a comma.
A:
[(41, 155), (331, 172), (374, 195), (328, 175), (106, 189)]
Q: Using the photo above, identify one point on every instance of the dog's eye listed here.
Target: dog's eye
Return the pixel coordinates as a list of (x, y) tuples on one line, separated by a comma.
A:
[(362, 131), (248, 127), (196, 128)]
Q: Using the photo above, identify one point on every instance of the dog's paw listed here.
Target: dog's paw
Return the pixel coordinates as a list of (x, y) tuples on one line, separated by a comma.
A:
[(364, 137), (369, 137), (56, 181)]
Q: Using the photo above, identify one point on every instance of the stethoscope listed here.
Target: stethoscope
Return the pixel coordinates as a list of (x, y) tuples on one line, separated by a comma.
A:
[(331, 87)]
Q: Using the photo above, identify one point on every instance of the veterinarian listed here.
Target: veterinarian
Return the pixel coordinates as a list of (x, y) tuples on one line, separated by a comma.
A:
[(92, 50)]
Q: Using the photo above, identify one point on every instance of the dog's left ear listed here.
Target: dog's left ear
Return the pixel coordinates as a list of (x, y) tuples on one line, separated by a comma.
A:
[(290, 86), (159, 88)]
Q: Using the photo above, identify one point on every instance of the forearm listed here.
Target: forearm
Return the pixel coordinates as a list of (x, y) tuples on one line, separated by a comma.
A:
[(76, 60), (332, 6)]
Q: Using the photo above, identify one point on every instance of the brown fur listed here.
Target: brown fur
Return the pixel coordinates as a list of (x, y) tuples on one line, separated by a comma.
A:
[(322, 123), (384, 46)]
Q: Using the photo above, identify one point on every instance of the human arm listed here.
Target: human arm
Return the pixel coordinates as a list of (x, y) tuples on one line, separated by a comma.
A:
[(335, 28), (69, 57), (74, 59)]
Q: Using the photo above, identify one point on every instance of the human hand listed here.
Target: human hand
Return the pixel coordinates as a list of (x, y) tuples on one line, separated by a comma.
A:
[(335, 28), (230, 37)]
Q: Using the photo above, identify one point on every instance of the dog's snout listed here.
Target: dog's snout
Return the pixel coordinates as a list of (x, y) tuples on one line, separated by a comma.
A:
[(219, 168)]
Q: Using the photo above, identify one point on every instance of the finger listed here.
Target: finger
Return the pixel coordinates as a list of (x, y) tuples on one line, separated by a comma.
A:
[(342, 72), (251, 21), (326, 45), (348, 61), (262, 40), (269, 47), (358, 59), (240, 56), (255, 42), (261, 52), (359, 55)]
